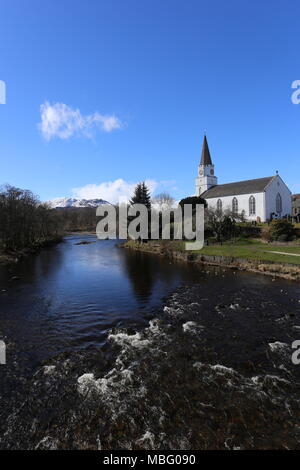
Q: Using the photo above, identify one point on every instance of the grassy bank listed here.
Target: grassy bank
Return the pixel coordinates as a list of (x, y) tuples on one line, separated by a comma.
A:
[(241, 249), (254, 256), (258, 251)]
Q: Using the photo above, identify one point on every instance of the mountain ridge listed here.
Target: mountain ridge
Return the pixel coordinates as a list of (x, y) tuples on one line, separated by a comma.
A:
[(66, 202)]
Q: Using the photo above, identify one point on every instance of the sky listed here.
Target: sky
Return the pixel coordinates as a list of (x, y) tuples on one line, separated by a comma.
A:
[(103, 94)]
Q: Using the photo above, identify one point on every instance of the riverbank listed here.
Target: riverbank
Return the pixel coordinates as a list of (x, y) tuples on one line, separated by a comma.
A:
[(14, 256), (81, 232), (271, 260)]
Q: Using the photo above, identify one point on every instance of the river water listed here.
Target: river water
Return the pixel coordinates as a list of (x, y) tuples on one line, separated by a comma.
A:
[(108, 348)]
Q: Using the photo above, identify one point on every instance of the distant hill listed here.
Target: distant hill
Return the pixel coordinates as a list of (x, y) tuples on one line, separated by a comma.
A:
[(64, 202)]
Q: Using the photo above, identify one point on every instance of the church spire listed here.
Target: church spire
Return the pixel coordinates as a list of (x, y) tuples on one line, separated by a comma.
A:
[(205, 155), (206, 174)]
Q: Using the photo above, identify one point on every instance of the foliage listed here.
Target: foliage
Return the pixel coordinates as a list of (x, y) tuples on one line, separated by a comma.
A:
[(24, 221), (141, 195), (282, 229), (72, 219), (194, 200)]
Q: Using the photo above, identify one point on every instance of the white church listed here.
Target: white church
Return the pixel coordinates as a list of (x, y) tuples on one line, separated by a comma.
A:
[(259, 200)]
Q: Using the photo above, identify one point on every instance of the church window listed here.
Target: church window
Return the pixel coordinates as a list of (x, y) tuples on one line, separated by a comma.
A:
[(251, 205), (278, 203), (235, 206), (219, 205)]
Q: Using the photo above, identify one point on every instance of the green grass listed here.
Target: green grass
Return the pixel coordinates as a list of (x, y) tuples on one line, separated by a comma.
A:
[(259, 251), (242, 248)]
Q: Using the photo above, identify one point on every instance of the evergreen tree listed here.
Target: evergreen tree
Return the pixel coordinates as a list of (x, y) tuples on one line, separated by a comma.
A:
[(146, 196), (141, 195), (137, 195)]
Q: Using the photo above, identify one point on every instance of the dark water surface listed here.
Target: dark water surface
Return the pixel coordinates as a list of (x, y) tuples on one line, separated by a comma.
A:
[(86, 369), (69, 296)]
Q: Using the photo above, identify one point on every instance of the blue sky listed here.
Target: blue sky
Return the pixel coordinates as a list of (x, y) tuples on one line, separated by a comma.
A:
[(137, 82)]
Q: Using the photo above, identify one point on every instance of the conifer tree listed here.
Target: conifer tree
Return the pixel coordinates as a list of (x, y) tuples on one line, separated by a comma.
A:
[(137, 195), (141, 195), (146, 196)]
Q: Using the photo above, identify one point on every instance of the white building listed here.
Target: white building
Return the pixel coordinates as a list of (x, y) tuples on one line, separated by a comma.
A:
[(260, 199)]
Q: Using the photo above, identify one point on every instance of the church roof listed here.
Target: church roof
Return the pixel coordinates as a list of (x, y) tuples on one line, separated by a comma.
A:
[(205, 155), (240, 187)]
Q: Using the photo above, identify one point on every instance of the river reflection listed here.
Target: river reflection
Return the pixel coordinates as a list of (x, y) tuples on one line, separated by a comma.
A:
[(68, 296)]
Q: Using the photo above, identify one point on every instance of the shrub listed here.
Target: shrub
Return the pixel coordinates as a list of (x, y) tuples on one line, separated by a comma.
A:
[(266, 234), (282, 230), (194, 200)]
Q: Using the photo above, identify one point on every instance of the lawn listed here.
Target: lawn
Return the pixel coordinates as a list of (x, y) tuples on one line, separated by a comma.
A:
[(245, 248), (259, 251)]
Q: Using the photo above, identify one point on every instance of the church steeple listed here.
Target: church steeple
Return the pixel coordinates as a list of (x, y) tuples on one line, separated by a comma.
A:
[(205, 178), (205, 155)]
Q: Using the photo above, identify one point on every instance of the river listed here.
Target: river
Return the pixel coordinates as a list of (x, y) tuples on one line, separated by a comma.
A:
[(108, 348)]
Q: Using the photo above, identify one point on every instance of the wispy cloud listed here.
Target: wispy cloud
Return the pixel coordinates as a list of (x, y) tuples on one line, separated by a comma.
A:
[(112, 191), (62, 121)]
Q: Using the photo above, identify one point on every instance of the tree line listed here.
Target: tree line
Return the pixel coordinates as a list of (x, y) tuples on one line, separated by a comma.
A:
[(24, 221)]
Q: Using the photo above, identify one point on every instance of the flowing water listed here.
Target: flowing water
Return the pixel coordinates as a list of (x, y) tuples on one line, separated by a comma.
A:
[(113, 349)]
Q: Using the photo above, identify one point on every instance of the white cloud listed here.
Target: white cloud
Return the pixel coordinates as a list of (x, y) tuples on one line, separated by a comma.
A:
[(60, 120), (111, 191)]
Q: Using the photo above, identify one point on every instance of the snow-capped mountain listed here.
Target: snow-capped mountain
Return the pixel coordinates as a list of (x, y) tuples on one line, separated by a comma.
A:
[(63, 202)]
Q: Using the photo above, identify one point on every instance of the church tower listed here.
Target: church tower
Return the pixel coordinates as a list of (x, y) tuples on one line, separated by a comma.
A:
[(205, 178)]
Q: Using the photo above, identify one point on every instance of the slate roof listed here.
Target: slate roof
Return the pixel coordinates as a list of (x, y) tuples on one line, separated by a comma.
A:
[(205, 155), (240, 187)]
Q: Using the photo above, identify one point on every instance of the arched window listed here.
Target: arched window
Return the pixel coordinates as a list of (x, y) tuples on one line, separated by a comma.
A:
[(251, 205), (219, 205), (278, 203), (235, 206)]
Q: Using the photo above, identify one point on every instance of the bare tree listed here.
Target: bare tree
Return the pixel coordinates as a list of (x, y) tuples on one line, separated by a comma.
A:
[(163, 201), (221, 223)]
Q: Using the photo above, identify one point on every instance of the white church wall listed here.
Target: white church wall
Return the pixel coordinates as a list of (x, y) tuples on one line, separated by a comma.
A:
[(276, 186), (243, 204)]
